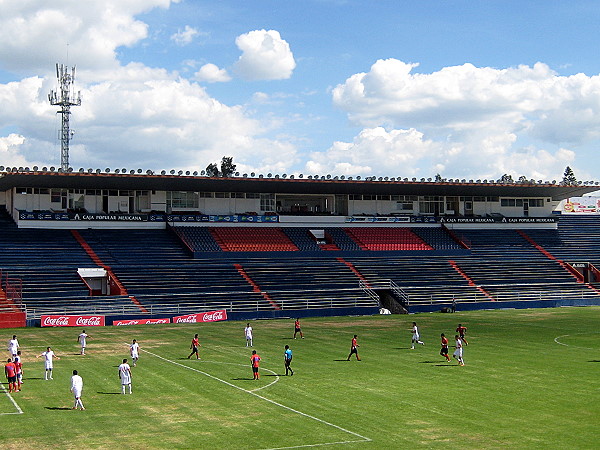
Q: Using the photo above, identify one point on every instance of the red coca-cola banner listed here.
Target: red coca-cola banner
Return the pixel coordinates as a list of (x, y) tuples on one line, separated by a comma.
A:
[(210, 316), (140, 321), (72, 321)]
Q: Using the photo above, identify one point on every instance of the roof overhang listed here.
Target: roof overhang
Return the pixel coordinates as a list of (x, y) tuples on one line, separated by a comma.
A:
[(556, 192)]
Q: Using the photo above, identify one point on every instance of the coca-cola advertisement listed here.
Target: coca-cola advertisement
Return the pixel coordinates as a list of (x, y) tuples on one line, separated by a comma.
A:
[(210, 316), (140, 322), (72, 321)]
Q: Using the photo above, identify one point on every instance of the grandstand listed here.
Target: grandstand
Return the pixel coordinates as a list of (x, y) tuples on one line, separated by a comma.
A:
[(162, 262)]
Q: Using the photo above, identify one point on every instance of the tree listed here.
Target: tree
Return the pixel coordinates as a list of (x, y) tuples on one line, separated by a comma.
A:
[(227, 168), (212, 170), (522, 179), (506, 179), (438, 178), (569, 177)]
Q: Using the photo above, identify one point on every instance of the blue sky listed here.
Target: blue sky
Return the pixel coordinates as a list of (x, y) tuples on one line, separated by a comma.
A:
[(347, 87)]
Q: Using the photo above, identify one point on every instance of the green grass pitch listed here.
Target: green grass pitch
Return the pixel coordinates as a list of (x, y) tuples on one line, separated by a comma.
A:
[(531, 380)]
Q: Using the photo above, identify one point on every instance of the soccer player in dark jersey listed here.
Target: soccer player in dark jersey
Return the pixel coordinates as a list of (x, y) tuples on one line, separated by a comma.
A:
[(444, 349), (297, 328), (194, 346), (255, 363), (354, 348), (287, 360), (461, 333)]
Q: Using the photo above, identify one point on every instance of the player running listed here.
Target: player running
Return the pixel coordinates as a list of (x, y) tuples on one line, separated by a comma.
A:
[(354, 348), (458, 353), (444, 349), (461, 332), (415, 336)]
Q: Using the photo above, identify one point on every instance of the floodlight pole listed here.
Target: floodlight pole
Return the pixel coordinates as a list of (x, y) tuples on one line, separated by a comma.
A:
[(65, 98)]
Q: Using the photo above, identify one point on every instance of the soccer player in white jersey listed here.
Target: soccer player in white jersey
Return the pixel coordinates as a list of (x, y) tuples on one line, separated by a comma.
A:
[(82, 340), (76, 389), (248, 333), (13, 346), (458, 353), (415, 336), (49, 356), (125, 376), (134, 351)]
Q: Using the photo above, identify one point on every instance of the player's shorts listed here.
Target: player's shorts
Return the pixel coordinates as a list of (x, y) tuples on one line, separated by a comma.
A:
[(48, 366), (77, 393), (194, 349), (298, 330), (462, 336), (287, 362), (135, 356), (353, 350), (254, 369), (458, 353), (415, 337), (12, 379), (444, 351), (126, 380)]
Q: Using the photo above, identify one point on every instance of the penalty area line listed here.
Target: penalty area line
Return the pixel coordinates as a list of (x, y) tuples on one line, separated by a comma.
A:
[(19, 410), (360, 437)]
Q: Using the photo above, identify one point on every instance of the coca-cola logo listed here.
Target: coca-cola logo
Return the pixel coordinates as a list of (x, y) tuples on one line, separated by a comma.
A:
[(72, 321), (53, 321), (93, 321), (213, 316), (127, 322), (187, 319)]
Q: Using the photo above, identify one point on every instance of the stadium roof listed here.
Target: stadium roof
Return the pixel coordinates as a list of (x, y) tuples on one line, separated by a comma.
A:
[(78, 180)]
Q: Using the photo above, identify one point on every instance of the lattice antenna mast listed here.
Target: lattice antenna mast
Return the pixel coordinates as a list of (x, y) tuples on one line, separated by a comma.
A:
[(65, 97)]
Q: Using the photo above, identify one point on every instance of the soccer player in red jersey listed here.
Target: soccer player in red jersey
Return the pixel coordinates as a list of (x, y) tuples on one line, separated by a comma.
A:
[(10, 370), (297, 328), (461, 333), (444, 349), (255, 362), (354, 348), (194, 346)]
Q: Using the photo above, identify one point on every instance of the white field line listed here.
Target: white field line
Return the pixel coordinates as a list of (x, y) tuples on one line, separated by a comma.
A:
[(273, 402), (19, 410), (557, 340)]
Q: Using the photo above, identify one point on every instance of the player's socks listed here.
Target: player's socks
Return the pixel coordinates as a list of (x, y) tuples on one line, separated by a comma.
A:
[(123, 389)]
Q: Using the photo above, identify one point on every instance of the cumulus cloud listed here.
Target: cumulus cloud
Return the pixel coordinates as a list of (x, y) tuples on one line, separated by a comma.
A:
[(375, 151), (131, 115), (185, 36), (212, 74), (489, 120), (265, 56), (39, 31)]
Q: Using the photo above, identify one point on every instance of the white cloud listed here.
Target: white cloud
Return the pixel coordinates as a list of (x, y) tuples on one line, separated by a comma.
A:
[(375, 151), (483, 121), (212, 74), (39, 32), (265, 56), (185, 36), (131, 116)]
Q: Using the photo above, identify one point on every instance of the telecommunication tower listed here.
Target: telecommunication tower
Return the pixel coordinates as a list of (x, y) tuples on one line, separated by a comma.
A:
[(65, 97)]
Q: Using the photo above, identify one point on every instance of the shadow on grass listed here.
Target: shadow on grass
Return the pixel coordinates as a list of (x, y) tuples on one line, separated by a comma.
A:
[(594, 360), (341, 360), (56, 408), (402, 348), (109, 393), (447, 365), (428, 362), (246, 379)]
